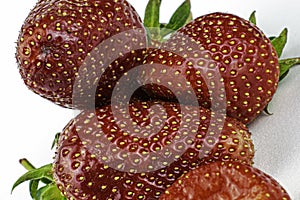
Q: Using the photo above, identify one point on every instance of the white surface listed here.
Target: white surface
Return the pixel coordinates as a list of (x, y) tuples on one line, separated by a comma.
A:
[(29, 122)]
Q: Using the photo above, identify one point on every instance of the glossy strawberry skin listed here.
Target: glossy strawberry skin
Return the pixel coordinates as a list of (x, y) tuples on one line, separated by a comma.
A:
[(57, 37), (225, 180), (216, 52), (81, 167)]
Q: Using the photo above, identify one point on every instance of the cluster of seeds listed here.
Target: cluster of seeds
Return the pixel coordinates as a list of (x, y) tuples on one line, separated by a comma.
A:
[(75, 52), (88, 168), (58, 35), (219, 52), (225, 180)]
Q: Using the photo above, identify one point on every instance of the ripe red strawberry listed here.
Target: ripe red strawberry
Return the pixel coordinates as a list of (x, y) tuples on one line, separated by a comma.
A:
[(224, 58), (101, 156), (58, 36), (225, 180)]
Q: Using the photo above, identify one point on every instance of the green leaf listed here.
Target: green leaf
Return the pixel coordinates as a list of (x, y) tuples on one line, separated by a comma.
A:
[(252, 18), (151, 18), (33, 188), (44, 172), (49, 192), (55, 140), (286, 65), (180, 16), (280, 42)]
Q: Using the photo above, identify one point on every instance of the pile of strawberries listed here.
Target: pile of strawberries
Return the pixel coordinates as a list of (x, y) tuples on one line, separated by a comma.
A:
[(165, 107)]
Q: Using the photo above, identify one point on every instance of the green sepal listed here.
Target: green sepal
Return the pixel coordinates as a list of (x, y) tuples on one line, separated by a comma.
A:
[(55, 141), (266, 110), (27, 165), (190, 18), (33, 188), (286, 65), (49, 192), (181, 16), (284, 75), (252, 18), (44, 172), (151, 18), (280, 42)]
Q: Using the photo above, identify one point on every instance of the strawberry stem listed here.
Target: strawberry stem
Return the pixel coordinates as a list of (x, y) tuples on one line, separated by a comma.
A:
[(26, 164)]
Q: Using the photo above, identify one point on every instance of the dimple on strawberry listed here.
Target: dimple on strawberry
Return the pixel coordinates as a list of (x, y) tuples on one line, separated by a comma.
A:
[(56, 41)]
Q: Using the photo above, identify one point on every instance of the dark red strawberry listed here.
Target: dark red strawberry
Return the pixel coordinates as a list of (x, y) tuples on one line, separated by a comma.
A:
[(224, 58), (225, 180), (102, 155), (59, 37)]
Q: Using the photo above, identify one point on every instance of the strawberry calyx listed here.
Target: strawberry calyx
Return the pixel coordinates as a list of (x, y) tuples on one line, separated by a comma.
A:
[(157, 31), (35, 176), (181, 16), (44, 175)]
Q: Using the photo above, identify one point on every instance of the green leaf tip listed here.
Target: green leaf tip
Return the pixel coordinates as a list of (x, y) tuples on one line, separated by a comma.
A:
[(280, 42), (266, 110), (55, 141), (252, 18)]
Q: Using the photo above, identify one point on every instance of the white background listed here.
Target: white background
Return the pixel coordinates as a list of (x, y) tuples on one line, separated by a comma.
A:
[(29, 123)]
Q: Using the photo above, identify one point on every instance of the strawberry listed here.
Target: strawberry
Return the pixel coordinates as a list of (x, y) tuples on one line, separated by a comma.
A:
[(102, 155), (223, 58), (59, 37), (225, 180)]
